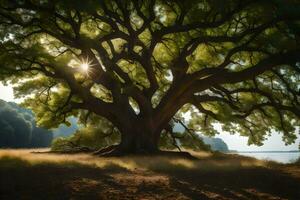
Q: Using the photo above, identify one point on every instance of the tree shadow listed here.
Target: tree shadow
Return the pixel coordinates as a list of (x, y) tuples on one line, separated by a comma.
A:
[(210, 178), (19, 179), (236, 183)]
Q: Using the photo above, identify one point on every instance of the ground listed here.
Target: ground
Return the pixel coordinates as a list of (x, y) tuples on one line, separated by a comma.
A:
[(27, 175)]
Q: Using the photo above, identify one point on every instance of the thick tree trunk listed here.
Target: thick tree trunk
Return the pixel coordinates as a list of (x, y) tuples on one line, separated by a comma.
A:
[(132, 143), (138, 143), (137, 137), (140, 134)]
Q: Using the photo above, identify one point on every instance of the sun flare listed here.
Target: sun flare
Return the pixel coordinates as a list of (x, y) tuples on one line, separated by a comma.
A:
[(84, 66)]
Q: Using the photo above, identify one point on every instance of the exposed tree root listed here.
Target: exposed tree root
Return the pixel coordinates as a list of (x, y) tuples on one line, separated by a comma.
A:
[(176, 154), (74, 150), (116, 151), (110, 151)]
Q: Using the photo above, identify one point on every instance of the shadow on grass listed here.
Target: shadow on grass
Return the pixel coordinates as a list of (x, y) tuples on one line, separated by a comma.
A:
[(19, 179), (257, 183), (215, 177), (212, 178)]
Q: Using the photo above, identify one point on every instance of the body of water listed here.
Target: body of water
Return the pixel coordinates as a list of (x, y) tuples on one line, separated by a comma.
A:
[(282, 157)]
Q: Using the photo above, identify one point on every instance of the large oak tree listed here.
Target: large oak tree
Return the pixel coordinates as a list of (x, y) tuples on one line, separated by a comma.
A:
[(142, 63)]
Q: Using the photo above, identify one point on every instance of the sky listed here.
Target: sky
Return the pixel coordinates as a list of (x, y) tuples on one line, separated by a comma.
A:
[(234, 142), (6, 93)]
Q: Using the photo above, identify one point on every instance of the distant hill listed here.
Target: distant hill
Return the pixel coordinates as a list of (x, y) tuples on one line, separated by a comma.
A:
[(216, 144)]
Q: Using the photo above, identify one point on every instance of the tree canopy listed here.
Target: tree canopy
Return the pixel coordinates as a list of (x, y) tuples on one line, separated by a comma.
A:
[(141, 64)]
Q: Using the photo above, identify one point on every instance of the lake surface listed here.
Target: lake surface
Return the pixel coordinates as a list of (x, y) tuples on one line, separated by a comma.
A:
[(282, 157)]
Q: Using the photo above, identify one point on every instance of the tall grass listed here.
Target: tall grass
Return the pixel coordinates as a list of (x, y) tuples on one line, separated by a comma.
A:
[(207, 161)]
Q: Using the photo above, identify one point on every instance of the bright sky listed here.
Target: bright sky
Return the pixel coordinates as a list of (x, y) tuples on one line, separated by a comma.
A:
[(6, 93), (273, 143), (234, 142)]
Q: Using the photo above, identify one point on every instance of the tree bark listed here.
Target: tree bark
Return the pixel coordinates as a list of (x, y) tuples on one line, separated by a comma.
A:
[(138, 136), (140, 133), (138, 143), (132, 142)]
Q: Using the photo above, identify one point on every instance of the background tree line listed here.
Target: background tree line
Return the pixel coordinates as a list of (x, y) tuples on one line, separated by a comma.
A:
[(18, 128)]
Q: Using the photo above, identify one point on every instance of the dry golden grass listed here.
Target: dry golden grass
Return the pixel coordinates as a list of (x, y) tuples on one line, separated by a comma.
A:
[(84, 176), (207, 160)]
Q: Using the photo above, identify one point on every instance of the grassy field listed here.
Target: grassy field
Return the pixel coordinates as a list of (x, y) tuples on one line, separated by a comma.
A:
[(27, 175)]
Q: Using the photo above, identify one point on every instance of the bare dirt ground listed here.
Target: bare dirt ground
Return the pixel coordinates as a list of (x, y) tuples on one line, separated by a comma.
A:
[(27, 175)]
